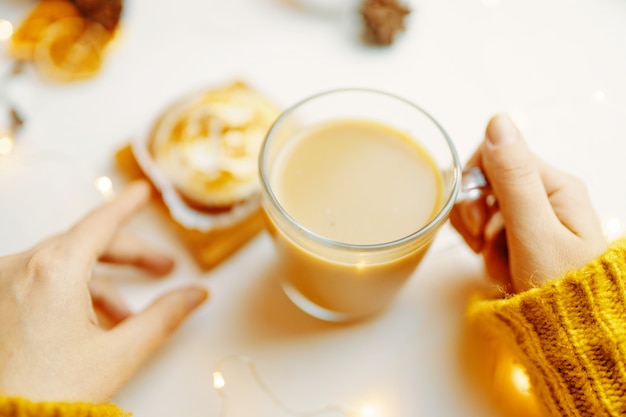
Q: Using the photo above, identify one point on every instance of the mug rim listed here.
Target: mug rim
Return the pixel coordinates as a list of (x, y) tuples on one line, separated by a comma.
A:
[(441, 216)]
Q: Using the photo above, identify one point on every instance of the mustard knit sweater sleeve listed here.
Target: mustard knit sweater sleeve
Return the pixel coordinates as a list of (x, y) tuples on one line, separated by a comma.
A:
[(19, 407), (570, 335)]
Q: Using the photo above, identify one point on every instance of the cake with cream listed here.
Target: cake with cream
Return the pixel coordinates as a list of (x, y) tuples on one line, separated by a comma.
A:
[(200, 155), (208, 143)]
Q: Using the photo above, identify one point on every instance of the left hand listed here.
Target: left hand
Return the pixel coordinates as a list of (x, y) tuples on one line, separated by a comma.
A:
[(543, 223), (52, 345)]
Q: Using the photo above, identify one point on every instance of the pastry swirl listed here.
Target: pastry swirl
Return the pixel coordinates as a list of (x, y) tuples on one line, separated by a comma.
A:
[(208, 144)]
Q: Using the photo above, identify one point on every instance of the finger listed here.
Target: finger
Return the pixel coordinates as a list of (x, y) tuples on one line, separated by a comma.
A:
[(108, 301), (466, 227), (496, 258), (129, 250), (136, 338), (90, 237), (515, 177), (571, 202), (470, 217)]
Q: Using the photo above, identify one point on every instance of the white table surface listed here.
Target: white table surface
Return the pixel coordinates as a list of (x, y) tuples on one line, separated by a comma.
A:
[(558, 66)]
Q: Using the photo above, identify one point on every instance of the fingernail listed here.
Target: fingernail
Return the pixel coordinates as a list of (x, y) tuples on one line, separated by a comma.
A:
[(494, 226), (502, 130), (161, 265), (196, 296)]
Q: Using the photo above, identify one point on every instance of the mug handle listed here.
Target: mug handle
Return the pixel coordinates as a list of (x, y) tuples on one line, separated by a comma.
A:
[(474, 185)]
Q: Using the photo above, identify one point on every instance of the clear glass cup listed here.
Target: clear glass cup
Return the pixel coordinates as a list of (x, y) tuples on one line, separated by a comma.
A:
[(338, 281)]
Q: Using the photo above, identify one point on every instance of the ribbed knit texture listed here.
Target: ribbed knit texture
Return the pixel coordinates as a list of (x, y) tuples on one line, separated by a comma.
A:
[(19, 407), (570, 335)]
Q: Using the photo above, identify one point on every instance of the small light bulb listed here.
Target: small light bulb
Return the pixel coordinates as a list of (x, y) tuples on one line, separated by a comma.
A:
[(6, 30), (520, 379), (599, 96), (6, 145), (369, 410), (105, 186), (218, 380), (613, 228)]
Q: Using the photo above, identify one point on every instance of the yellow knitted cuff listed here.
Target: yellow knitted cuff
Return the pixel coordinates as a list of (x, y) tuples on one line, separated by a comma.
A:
[(20, 407), (570, 335)]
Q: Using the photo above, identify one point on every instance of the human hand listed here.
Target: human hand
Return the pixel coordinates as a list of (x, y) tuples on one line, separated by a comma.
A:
[(52, 346), (542, 223)]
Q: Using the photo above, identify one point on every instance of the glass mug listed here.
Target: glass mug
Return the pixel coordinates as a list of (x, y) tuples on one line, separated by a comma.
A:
[(334, 278)]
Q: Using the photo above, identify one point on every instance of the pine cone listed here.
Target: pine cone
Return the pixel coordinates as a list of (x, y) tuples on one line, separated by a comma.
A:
[(383, 20)]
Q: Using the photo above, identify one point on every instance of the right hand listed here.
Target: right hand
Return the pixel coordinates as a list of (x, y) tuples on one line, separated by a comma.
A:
[(549, 224)]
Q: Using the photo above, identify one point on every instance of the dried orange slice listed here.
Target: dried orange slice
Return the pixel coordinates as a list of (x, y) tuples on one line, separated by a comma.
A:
[(71, 49), (29, 32), (105, 12)]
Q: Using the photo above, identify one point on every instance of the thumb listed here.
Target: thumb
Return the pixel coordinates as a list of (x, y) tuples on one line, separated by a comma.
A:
[(515, 177), (140, 335)]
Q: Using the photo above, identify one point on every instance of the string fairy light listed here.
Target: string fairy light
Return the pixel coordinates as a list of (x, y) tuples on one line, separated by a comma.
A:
[(6, 144), (599, 96), (105, 186), (15, 119), (7, 136), (219, 383), (613, 228), (6, 30), (370, 410), (491, 3), (520, 379)]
